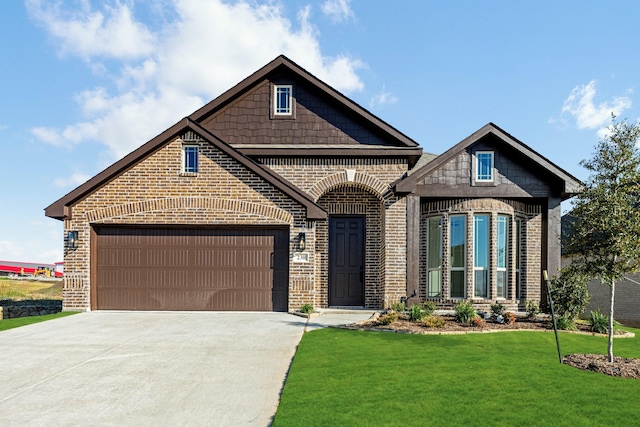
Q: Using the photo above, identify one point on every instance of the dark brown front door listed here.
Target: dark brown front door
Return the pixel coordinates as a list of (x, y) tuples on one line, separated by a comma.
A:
[(346, 261)]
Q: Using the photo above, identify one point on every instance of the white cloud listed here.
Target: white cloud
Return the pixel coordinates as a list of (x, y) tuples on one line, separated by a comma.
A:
[(73, 180), (209, 46), (580, 104), (337, 10), (83, 32), (382, 98), (10, 251), (4, 127)]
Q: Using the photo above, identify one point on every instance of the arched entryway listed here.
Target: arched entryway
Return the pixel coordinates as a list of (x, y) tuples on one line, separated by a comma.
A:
[(351, 247)]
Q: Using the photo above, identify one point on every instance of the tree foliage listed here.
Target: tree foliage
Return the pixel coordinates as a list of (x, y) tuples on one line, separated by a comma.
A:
[(605, 237)]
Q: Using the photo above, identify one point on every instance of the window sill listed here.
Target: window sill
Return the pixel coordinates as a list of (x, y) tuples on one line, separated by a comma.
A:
[(188, 174)]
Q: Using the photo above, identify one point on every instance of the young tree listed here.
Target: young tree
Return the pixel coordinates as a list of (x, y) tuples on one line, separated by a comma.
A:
[(605, 239)]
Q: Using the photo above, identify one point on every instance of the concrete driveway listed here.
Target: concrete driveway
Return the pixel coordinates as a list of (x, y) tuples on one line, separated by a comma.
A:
[(149, 368)]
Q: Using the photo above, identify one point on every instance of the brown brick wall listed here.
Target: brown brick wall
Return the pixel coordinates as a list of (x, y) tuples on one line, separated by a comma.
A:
[(369, 194), (156, 192)]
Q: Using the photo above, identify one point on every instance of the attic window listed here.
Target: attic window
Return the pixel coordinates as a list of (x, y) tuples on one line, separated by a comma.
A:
[(190, 159), (484, 166), (282, 100)]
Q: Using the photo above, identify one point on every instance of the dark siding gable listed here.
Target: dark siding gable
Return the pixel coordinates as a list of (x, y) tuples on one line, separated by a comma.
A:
[(316, 120)]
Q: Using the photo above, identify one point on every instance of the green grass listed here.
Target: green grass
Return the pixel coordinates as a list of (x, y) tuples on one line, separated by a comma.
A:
[(352, 378), (30, 289), (23, 321)]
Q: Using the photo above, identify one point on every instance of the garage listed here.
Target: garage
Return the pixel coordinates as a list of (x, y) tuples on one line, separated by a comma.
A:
[(163, 268)]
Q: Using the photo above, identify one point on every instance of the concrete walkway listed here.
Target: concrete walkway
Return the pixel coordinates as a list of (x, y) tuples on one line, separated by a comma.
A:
[(151, 368)]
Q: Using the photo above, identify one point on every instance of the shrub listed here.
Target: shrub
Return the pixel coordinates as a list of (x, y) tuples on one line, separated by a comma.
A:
[(417, 313), (398, 306), (570, 294), (430, 307), (389, 318), (477, 321), (509, 318), (532, 310), (307, 309), (464, 312), (598, 322), (433, 322), (497, 309), (566, 323)]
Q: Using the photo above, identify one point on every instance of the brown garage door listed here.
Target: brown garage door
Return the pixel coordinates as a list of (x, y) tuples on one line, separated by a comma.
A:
[(190, 269)]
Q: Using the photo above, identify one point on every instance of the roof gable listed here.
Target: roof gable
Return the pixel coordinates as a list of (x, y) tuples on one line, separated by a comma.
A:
[(284, 70), (499, 137), (61, 209)]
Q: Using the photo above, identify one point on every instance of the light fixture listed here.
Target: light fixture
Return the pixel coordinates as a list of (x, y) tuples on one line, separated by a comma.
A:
[(302, 241), (72, 240)]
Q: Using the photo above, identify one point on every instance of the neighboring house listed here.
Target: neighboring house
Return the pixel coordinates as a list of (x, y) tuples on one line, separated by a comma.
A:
[(283, 192), (627, 300)]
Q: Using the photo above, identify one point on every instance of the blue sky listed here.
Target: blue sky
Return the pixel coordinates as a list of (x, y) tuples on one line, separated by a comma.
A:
[(85, 82)]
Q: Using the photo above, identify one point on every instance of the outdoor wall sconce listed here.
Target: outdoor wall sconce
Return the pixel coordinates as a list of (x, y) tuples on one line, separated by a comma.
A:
[(72, 240), (302, 241)]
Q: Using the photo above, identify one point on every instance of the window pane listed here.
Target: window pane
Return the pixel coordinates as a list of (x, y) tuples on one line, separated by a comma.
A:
[(457, 284), (434, 284), (191, 159), (457, 234), (435, 243), (481, 283), (485, 166), (502, 243), (481, 241), (283, 99), (502, 284)]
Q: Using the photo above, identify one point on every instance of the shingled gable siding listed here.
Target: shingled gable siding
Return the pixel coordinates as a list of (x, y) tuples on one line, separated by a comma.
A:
[(247, 121), (509, 172), (155, 192), (325, 180), (530, 260)]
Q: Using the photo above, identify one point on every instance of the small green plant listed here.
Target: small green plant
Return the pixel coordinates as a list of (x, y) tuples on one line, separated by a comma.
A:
[(477, 322), (509, 318), (429, 306), (532, 310), (400, 307), (566, 323), (307, 309), (417, 313), (598, 322), (433, 322), (464, 312), (569, 293), (497, 309), (388, 318)]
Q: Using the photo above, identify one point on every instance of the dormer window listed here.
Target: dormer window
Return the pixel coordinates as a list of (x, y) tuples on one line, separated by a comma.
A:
[(190, 159), (484, 166), (282, 100)]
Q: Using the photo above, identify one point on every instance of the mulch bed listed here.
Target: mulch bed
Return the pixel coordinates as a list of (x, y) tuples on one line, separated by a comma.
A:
[(621, 367)]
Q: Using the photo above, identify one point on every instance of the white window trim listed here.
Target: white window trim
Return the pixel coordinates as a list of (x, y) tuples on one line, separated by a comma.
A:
[(473, 248), (440, 254), (504, 269), (184, 158), (275, 100), (477, 174), (466, 248)]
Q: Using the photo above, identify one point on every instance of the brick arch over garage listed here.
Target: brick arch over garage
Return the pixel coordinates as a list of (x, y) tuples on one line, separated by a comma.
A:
[(211, 204), (360, 180)]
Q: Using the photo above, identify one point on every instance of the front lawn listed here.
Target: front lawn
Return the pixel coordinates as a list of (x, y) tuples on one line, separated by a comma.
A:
[(353, 378), (23, 321)]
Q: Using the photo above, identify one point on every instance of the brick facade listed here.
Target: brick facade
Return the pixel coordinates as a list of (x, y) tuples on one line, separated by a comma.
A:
[(328, 157)]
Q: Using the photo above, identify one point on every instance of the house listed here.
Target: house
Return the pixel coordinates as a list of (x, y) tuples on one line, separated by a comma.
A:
[(283, 192)]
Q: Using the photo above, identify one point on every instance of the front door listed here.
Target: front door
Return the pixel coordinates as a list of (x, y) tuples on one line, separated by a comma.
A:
[(346, 261)]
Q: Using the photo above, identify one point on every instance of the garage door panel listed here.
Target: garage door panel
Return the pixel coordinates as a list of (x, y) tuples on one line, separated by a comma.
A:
[(172, 269)]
